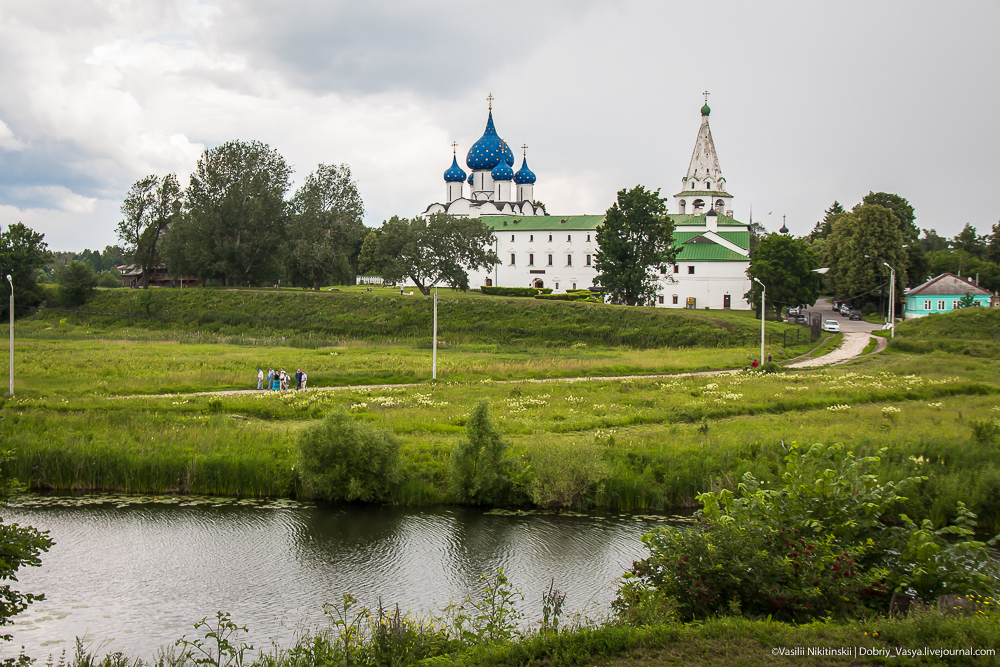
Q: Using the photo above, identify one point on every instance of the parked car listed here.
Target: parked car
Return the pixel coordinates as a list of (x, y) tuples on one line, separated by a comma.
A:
[(794, 310), (802, 319), (845, 310), (833, 326), (854, 315), (837, 305)]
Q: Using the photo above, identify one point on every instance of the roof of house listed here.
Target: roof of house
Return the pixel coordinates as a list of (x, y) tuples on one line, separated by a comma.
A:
[(948, 284), (560, 222)]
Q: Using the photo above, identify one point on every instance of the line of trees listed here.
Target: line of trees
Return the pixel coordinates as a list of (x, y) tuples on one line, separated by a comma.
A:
[(236, 224)]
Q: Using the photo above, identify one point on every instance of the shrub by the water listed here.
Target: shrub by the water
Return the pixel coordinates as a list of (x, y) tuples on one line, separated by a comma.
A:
[(344, 459), (478, 471), (816, 547)]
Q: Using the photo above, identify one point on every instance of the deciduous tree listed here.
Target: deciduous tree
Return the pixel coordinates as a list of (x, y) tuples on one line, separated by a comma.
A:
[(785, 265), (151, 204), (325, 230), (237, 214), (368, 258), (636, 242), (439, 249), (22, 252)]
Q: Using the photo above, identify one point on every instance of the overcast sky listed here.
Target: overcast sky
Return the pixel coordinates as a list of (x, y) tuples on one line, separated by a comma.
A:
[(811, 102)]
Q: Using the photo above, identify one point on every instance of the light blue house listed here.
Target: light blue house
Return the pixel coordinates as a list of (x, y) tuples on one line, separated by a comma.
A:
[(943, 294)]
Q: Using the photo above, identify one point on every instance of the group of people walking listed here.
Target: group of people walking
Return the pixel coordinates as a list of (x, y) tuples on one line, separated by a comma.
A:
[(280, 380)]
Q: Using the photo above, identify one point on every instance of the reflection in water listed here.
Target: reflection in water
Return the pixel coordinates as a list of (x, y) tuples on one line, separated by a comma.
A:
[(135, 578)]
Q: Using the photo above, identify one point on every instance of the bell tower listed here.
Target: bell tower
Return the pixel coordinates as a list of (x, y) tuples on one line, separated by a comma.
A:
[(703, 188)]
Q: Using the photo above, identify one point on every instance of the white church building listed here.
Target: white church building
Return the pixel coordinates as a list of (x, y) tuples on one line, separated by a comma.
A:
[(558, 251)]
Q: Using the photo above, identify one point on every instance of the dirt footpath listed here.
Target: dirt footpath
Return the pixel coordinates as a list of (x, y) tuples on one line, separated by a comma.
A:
[(853, 345)]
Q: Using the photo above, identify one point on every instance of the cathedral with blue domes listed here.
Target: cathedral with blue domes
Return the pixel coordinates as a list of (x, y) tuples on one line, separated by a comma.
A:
[(559, 251), (494, 187)]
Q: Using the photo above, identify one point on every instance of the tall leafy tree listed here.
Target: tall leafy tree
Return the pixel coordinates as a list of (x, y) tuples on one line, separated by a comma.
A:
[(785, 265), (236, 221), (150, 205), (22, 252), (325, 230), (439, 249), (636, 241), (876, 239), (916, 259), (368, 258)]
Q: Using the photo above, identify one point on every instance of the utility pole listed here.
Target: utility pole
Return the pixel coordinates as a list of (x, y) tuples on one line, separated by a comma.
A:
[(763, 314), (11, 335), (434, 355), (892, 299)]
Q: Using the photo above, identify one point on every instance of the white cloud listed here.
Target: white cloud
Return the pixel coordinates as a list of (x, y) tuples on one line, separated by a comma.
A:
[(7, 139)]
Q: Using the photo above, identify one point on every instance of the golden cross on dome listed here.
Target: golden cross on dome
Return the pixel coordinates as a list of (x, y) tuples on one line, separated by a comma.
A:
[(706, 94), (489, 98), (524, 147), (454, 147)]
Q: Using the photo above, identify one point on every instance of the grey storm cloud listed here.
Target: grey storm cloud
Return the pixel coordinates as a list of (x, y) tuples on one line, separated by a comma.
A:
[(365, 47)]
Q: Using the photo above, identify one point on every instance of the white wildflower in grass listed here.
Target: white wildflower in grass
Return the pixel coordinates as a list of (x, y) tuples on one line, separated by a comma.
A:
[(919, 460), (425, 400), (890, 411), (575, 399), (936, 406), (713, 385), (839, 408)]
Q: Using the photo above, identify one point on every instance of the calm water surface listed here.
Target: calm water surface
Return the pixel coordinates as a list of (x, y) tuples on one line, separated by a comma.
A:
[(134, 576)]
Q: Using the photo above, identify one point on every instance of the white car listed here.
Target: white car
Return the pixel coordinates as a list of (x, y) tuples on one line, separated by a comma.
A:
[(833, 326)]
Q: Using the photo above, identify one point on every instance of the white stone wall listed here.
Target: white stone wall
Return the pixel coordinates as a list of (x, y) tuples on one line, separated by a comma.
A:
[(709, 285)]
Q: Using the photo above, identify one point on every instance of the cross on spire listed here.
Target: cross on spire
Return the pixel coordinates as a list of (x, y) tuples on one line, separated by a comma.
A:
[(454, 147), (706, 94), (489, 98), (524, 148)]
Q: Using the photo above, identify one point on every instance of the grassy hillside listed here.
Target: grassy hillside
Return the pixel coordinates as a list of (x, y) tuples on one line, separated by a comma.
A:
[(968, 331), (385, 316)]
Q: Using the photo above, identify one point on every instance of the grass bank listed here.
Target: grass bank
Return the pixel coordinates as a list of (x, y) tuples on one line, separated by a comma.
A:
[(971, 332), (385, 316), (626, 444)]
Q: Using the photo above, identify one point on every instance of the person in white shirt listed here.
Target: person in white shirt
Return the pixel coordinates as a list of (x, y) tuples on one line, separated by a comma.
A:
[(260, 379), (303, 380)]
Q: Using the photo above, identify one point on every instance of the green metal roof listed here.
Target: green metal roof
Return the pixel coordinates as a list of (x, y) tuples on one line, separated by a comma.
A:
[(708, 252), (742, 239), (515, 223)]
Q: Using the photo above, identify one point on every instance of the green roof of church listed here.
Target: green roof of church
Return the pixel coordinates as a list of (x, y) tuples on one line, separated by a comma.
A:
[(515, 223), (708, 252), (703, 193), (742, 239)]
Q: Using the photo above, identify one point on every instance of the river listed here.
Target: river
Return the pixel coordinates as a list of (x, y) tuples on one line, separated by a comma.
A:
[(135, 573)]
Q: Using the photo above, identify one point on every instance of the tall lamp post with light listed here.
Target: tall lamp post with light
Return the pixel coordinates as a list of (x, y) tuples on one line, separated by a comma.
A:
[(11, 281), (892, 299), (763, 315)]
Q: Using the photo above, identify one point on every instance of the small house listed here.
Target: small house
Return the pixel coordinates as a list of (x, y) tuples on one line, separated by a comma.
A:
[(944, 294)]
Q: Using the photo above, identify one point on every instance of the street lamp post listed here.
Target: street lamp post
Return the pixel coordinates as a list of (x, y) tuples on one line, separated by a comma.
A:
[(892, 299), (11, 281), (763, 315)]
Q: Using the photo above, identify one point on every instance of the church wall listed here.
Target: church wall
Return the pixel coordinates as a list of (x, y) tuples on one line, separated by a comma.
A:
[(709, 284)]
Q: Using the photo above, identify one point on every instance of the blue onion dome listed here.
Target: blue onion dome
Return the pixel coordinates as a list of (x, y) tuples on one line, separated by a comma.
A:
[(455, 174), (524, 176), (508, 157), (502, 172), (472, 177), (489, 151)]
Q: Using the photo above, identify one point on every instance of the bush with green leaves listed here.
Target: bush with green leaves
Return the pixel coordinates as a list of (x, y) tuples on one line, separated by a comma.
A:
[(514, 291), (20, 546), (813, 548), (479, 473), (77, 284), (343, 459)]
